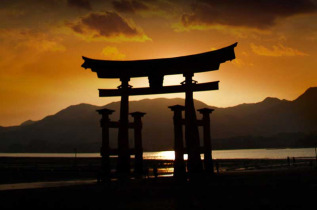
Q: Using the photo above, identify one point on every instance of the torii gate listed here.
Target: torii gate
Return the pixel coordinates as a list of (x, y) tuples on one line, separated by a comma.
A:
[(155, 70)]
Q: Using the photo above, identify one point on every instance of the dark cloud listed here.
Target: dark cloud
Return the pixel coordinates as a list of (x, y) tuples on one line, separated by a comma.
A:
[(82, 4), (106, 25), (129, 6), (249, 13)]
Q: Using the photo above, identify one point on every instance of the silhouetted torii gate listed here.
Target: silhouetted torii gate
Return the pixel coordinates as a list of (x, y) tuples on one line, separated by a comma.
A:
[(155, 70)]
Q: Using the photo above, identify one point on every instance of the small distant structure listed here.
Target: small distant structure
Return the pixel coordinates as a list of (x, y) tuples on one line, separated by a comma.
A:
[(155, 70)]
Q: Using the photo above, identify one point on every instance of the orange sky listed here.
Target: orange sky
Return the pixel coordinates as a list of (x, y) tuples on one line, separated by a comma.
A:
[(42, 41)]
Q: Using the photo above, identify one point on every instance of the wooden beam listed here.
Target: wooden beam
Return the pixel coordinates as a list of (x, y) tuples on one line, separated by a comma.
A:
[(166, 89), (201, 62)]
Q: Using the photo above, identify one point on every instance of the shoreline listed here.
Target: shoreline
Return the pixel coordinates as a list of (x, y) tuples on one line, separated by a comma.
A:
[(30, 169)]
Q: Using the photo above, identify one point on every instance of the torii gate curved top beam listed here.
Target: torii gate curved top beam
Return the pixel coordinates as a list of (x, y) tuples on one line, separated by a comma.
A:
[(155, 69)]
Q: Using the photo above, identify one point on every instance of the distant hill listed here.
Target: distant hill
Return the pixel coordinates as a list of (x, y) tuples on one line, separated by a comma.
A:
[(269, 117), (270, 123), (28, 122)]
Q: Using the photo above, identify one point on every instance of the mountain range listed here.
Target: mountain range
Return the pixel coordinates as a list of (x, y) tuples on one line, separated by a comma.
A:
[(271, 123)]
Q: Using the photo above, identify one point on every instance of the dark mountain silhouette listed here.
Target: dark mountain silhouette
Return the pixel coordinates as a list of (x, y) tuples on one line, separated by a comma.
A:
[(270, 123), (28, 122)]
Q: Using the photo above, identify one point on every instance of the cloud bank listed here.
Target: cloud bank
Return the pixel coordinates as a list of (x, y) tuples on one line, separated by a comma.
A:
[(129, 6), (81, 4), (260, 14), (109, 26), (276, 51)]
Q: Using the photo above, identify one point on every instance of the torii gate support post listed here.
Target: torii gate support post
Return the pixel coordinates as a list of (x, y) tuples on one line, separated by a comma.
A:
[(123, 165), (191, 129), (105, 149), (179, 164), (209, 166), (138, 165)]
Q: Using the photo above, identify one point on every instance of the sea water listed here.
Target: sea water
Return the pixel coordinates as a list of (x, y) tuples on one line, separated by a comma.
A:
[(216, 154)]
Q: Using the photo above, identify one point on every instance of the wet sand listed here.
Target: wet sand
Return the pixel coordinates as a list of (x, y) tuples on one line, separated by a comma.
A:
[(276, 186)]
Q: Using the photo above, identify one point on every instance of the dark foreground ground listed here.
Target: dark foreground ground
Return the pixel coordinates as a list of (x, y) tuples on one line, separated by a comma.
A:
[(278, 189), (240, 184), (275, 187)]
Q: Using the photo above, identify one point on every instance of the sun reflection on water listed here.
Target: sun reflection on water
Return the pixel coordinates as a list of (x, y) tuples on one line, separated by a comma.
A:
[(163, 155)]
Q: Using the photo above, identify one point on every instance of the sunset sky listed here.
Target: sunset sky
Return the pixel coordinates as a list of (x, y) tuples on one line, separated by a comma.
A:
[(42, 43)]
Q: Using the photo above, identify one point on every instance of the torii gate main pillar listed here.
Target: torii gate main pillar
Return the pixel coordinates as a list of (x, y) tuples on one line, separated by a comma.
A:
[(191, 129), (123, 167)]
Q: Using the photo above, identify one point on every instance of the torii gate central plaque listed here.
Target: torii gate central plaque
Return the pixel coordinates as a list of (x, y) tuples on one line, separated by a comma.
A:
[(155, 69)]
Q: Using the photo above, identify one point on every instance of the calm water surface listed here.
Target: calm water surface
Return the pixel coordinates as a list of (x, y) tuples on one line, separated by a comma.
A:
[(217, 154)]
